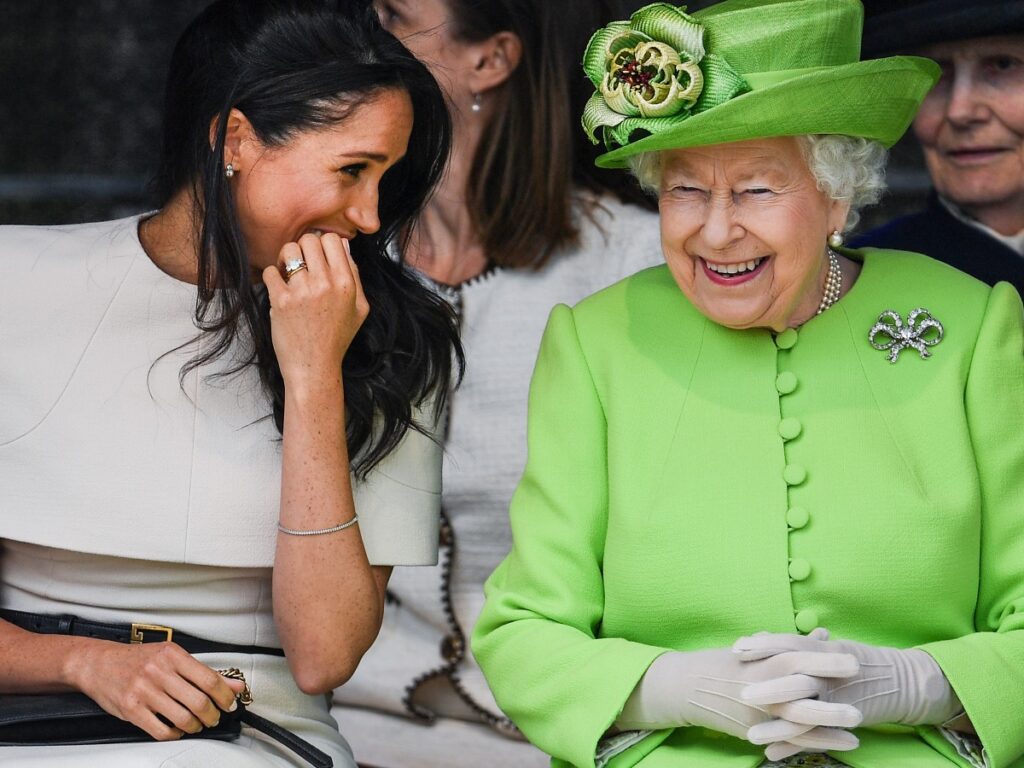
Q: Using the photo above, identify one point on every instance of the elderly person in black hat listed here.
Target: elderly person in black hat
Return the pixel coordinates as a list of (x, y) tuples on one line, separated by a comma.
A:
[(971, 128)]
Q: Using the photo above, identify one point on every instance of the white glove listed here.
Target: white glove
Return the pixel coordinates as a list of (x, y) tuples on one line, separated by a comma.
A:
[(702, 688), (892, 686)]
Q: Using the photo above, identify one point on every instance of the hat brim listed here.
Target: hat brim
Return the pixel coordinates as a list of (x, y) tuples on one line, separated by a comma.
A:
[(875, 99)]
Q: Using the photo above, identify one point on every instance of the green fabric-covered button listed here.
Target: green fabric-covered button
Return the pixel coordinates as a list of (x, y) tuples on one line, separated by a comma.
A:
[(786, 339), (799, 569), (794, 474), (806, 620), (797, 517), (789, 428), (785, 382)]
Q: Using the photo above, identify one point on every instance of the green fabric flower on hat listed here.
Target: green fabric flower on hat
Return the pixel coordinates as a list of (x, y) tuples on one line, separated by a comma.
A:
[(651, 73)]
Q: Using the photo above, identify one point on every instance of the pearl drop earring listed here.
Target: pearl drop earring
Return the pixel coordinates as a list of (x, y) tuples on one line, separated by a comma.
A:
[(229, 171), (835, 240), (476, 102)]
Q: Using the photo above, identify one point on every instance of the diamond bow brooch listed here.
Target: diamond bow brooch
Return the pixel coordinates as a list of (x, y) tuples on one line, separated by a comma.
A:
[(920, 331)]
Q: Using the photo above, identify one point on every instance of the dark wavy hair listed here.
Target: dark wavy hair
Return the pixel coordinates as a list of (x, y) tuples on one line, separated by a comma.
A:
[(524, 211), (291, 66)]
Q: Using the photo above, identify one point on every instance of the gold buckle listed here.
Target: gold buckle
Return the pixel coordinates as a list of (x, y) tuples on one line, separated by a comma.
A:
[(138, 629)]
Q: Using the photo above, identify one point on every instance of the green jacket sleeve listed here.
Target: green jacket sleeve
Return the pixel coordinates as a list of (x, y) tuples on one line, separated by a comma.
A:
[(537, 638), (986, 669)]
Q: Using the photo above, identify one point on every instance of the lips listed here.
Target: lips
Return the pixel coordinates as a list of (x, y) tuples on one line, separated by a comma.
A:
[(969, 155), (733, 273)]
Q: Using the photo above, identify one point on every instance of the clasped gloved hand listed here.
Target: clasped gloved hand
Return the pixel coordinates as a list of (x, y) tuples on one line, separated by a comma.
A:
[(702, 688), (891, 686)]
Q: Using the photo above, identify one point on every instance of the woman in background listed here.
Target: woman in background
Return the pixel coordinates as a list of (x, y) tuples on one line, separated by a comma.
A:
[(971, 128), (522, 220), (186, 393)]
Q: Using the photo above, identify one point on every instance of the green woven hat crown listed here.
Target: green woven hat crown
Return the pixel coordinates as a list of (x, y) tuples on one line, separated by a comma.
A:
[(744, 69)]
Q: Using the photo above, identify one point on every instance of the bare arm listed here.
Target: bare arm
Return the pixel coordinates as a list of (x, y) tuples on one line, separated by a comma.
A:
[(328, 600)]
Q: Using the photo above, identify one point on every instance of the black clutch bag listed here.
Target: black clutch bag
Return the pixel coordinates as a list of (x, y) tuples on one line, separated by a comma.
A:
[(54, 719), (74, 718)]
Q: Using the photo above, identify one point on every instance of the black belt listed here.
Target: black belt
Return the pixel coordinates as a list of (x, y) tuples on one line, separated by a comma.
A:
[(66, 624)]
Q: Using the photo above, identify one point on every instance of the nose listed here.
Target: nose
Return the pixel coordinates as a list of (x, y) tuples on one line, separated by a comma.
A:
[(966, 103), (720, 228), (363, 211)]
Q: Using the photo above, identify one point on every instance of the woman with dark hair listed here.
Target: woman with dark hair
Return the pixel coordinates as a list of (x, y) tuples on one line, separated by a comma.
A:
[(522, 221), (188, 391)]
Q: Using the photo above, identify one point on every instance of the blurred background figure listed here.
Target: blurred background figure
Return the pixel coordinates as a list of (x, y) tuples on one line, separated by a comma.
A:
[(970, 128), (522, 221)]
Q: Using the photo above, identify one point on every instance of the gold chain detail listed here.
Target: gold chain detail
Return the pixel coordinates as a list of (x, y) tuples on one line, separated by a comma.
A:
[(234, 673)]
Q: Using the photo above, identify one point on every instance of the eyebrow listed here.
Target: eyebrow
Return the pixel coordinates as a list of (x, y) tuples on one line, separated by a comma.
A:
[(375, 156)]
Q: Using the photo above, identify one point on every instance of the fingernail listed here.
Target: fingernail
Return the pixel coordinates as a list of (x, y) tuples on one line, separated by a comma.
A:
[(234, 705)]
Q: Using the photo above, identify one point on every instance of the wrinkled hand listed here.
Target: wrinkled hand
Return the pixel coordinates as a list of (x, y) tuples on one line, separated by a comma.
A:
[(144, 683), (892, 686), (317, 313), (703, 688)]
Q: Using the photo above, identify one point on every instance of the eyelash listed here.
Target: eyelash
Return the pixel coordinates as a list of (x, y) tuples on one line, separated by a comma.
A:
[(354, 171), (1002, 64), (753, 191)]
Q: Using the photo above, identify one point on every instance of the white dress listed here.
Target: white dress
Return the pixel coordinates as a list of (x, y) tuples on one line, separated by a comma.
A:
[(420, 655), (129, 496)]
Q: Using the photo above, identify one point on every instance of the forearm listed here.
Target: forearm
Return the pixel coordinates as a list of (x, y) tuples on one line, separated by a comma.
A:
[(34, 663), (327, 603)]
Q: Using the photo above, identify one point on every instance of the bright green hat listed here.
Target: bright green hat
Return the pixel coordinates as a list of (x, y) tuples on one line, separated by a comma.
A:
[(744, 69)]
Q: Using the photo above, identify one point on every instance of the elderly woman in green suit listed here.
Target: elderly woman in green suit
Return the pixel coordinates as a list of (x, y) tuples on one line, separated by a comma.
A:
[(774, 501)]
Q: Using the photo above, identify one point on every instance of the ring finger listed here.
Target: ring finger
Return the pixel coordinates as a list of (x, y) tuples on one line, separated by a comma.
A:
[(293, 262)]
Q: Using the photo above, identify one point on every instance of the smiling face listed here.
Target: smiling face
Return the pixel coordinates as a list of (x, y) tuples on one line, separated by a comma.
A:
[(743, 229), (325, 179), (971, 127)]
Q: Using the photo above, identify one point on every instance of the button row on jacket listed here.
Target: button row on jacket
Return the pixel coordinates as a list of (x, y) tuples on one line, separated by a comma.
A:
[(794, 474)]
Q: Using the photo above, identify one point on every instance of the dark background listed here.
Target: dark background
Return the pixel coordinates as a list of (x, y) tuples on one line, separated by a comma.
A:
[(81, 84)]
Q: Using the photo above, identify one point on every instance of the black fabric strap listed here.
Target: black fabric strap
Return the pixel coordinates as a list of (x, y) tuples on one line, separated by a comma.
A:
[(66, 624), (299, 746)]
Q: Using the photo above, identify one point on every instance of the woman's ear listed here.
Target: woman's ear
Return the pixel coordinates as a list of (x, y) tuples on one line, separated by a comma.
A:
[(497, 58), (838, 215), (237, 138)]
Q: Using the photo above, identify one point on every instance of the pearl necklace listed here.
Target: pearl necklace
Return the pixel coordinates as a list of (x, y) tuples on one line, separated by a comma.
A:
[(833, 283)]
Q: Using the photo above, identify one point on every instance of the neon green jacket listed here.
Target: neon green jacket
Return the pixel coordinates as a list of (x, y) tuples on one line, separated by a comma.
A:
[(688, 484)]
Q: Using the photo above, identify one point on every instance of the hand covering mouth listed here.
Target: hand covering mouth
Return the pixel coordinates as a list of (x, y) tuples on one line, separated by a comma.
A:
[(736, 269)]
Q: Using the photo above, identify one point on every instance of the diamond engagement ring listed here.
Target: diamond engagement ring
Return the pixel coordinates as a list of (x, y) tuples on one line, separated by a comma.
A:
[(291, 267)]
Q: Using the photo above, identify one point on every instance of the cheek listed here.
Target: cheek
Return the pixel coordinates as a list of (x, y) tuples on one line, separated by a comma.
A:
[(928, 119), (1011, 114)]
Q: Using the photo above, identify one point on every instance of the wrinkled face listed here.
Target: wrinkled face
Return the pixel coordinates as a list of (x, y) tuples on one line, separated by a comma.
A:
[(744, 228), (425, 27), (325, 179), (971, 125)]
